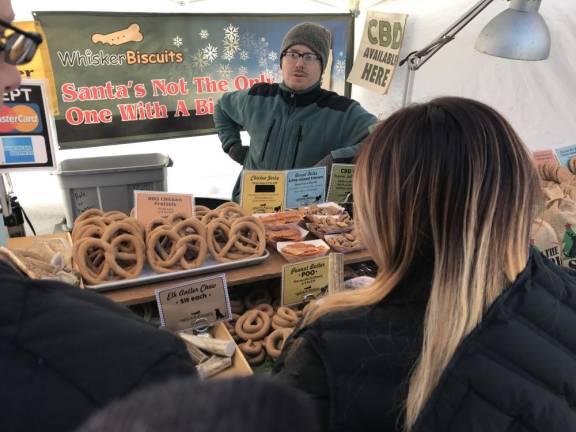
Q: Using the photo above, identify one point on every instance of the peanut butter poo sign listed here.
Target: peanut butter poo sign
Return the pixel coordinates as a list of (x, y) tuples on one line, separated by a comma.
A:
[(379, 51)]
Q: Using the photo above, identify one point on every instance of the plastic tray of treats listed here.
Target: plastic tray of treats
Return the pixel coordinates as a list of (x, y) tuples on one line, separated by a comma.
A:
[(280, 218), (112, 250), (298, 251), (315, 211), (338, 224), (284, 233), (344, 243)]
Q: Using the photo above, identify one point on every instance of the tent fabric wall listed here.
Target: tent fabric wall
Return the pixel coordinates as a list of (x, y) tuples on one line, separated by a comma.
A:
[(536, 97)]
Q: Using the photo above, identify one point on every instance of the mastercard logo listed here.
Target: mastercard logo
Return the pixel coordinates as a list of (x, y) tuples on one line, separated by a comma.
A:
[(20, 119)]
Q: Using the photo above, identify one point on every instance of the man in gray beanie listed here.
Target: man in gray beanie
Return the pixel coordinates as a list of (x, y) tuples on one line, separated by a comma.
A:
[(295, 124)]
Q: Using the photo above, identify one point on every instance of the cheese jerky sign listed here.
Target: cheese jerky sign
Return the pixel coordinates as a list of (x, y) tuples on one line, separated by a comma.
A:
[(379, 51), (135, 77)]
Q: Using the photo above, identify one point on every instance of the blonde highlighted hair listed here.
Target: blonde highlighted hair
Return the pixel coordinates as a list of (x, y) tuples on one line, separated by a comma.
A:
[(449, 180)]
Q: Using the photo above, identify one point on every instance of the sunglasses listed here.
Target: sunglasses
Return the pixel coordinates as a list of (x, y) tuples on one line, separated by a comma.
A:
[(17, 47)]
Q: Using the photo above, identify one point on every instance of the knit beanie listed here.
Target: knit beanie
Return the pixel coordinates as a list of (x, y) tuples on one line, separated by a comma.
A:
[(314, 36)]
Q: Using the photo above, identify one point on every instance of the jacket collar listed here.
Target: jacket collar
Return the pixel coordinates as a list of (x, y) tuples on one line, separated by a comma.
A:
[(301, 98)]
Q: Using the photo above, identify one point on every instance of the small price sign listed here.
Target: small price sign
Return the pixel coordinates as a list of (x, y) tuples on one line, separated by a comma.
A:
[(194, 303), (152, 205), (305, 280), (263, 191), (340, 182)]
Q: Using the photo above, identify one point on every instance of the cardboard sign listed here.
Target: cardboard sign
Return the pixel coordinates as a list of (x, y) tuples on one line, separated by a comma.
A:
[(151, 205), (379, 51), (543, 157), (305, 280), (263, 191), (305, 186), (26, 129), (340, 182), (564, 154), (194, 303)]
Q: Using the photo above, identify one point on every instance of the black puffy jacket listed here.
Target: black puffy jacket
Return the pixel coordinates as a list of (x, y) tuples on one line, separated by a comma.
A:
[(354, 365), (516, 372), (65, 352)]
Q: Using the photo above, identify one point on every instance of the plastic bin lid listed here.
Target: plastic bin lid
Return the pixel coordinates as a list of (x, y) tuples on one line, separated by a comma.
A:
[(107, 164)]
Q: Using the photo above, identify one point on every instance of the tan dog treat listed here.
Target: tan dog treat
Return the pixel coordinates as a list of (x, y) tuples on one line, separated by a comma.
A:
[(285, 318), (254, 325), (275, 341), (129, 34), (254, 352)]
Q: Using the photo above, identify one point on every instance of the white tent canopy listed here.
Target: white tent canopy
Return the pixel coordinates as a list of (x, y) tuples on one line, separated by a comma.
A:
[(537, 97)]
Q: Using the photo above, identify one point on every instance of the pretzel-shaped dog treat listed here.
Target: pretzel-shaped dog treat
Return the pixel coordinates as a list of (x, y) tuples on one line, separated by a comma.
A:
[(275, 341), (200, 211), (181, 247), (285, 318), (254, 352), (242, 238), (126, 256), (210, 216), (231, 212), (254, 324), (89, 256), (88, 214)]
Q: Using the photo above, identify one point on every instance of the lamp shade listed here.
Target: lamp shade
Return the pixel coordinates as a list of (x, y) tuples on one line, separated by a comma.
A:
[(518, 33)]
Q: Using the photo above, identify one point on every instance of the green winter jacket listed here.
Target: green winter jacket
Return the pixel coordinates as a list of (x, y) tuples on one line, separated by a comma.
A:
[(290, 129)]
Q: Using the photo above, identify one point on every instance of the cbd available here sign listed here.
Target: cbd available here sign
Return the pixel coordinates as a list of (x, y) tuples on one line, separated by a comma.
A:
[(379, 51)]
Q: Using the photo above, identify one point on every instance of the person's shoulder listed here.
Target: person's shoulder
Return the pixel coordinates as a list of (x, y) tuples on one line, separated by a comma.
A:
[(264, 89), (334, 101), (342, 319)]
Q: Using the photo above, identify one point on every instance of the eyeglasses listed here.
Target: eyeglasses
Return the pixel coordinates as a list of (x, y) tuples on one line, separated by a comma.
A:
[(17, 47), (293, 57)]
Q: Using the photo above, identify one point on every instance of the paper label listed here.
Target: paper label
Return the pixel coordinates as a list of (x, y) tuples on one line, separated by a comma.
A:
[(305, 186), (564, 154), (340, 182), (542, 157), (263, 191), (194, 303), (305, 280), (152, 205)]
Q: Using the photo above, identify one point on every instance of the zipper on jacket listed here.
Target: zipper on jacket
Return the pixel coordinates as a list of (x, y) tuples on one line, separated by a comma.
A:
[(298, 141), (267, 139)]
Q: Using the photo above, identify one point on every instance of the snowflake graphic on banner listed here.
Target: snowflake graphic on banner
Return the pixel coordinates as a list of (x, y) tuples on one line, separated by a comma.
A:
[(227, 55), (231, 32), (210, 53), (340, 66), (244, 55), (203, 34), (242, 70), (248, 41), (224, 71), (263, 62), (177, 41), (272, 56), (199, 61), (269, 74)]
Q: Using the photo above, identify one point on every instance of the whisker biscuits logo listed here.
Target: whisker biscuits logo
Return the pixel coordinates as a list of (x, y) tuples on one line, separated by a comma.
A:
[(130, 34)]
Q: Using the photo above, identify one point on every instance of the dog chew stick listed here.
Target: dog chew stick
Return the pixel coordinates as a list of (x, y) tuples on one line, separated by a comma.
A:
[(219, 347), (195, 353), (213, 366)]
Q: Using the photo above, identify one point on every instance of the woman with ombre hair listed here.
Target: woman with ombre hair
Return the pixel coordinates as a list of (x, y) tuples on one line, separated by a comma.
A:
[(466, 327)]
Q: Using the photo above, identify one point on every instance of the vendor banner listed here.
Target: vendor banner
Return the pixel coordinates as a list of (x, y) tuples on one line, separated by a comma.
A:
[(379, 51), (123, 77)]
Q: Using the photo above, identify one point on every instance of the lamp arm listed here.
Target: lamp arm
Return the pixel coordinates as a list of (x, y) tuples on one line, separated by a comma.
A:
[(416, 59), (447, 35)]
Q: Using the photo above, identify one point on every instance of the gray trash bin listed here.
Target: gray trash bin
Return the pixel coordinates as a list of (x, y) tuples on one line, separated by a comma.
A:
[(109, 182)]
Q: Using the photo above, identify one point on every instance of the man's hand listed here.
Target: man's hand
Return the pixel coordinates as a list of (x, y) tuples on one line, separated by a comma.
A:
[(238, 153)]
